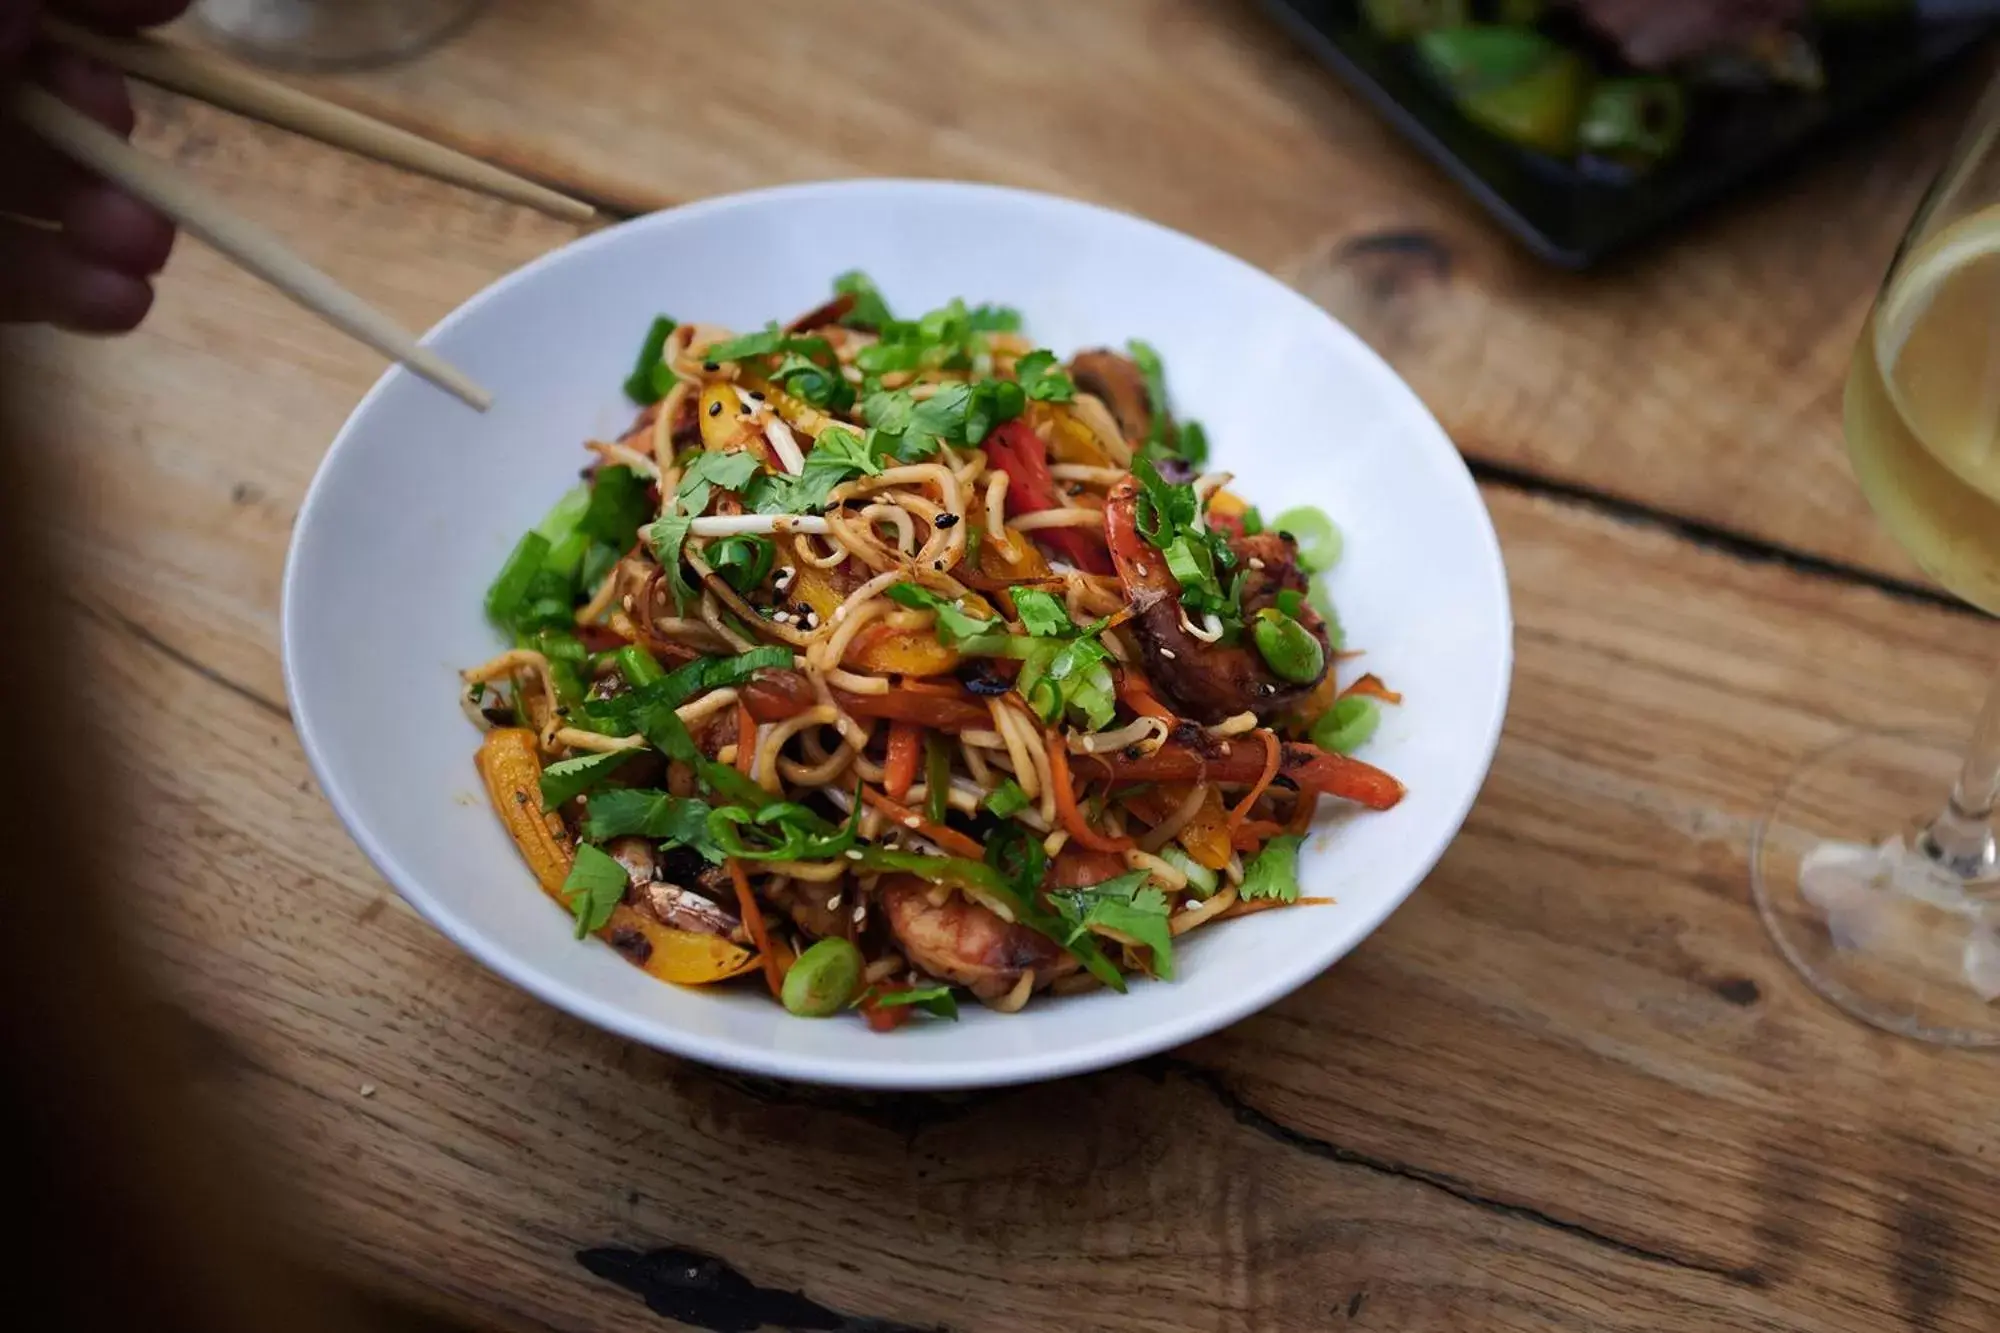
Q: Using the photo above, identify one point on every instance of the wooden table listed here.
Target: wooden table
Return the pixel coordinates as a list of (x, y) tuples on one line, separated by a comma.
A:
[(1569, 1085)]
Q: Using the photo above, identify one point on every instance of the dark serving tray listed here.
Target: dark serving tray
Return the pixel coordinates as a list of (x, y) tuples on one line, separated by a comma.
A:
[(1572, 218)]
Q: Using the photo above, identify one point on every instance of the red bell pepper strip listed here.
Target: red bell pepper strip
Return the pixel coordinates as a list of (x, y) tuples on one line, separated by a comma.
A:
[(1016, 450)]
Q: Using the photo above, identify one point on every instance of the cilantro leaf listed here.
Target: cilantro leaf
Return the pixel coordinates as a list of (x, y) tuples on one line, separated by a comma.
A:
[(993, 319), (889, 410), (595, 887), (821, 385), (707, 472), (568, 778), (936, 1000), (869, 310), (1155, 375), (1126, 905), (839, 455), (954, 624), (786, 831), (666, 535), (635, 811), (761, 343), (1042, 379), (1194, 446), (643, 386), (1005, 800), (1042, 613), (1273, 872), (837, 444)]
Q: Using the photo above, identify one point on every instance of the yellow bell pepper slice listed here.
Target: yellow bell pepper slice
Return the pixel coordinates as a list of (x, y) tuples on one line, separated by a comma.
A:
[(512, 769)]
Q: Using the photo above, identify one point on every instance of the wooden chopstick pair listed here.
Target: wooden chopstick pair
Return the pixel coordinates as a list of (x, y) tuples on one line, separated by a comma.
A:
[(222, 83)]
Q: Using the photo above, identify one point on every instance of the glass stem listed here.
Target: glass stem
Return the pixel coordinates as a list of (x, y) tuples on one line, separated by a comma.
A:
[(1961, 837)]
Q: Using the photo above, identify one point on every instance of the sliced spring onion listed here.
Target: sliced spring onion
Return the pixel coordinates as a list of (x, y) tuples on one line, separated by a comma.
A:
[(1346, 726), (1319, 540), (1201, 881)]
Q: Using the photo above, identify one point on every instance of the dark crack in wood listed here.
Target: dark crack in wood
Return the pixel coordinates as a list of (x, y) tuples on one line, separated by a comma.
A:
[(1251, 1117), (706, 1292), (118, 620), (1711, 536)]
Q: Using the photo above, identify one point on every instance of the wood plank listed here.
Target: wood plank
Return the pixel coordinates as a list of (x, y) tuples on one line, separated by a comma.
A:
[(1569, 1085), (1700, 377)]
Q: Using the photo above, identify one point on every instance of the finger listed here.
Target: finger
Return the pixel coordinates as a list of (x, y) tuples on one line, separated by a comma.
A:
[(43, 279), (18, 24), (105, 225), (90, 86), (118, 14)]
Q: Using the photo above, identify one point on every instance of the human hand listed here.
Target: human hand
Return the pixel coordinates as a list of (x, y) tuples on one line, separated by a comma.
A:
[(74, 250)]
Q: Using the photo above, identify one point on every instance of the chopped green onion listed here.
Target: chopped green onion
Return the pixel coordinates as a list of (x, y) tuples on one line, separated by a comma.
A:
[(1005, 800), (642, 386), (1319, 540), (1201, 881), (504, 600), (937, 776), (743, 560), (639, 667), (1346, 726)]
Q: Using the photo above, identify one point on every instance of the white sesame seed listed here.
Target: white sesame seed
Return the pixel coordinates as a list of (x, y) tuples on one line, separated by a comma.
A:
[(854, 854), (812, 620), (367, 1089), (1255, 562), (1167, 653), (860, 911), (833, 902), (913, 822)]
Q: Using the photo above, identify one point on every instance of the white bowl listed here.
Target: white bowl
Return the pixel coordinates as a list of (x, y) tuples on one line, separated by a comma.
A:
[(420, 499)]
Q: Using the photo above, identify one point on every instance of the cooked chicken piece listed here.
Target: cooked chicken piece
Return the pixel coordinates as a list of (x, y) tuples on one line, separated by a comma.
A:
[(1116, 380), (962, 941), (1654, 34), (684, 909), (636, 855), (806, 904), (1207, 681)]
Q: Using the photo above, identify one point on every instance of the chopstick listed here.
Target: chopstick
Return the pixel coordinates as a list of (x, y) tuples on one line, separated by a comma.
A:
[(211, 78), (256, 249)]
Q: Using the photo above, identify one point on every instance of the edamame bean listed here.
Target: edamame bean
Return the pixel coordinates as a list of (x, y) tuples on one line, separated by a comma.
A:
[(1287, 647), (823, 979)]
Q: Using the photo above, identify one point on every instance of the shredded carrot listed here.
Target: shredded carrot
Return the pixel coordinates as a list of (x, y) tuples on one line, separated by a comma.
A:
[(1254, 833), (760, 935), (1303, 810), (1136, 694), (746, 740), (1083, 834), (906, 747), (1266, 904), (885, 1018), (1371, 684), (949, 839), (1273, 752)]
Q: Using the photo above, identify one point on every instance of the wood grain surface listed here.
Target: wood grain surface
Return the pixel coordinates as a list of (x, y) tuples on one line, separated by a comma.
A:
[(1699, 377), (1569, 1086)]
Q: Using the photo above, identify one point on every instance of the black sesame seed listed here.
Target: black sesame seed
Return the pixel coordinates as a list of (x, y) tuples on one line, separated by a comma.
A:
[(711, 365), (937, 564), (715, 407), (946, 521)]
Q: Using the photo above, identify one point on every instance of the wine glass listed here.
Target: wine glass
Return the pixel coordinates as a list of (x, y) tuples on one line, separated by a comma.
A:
[(1876, 871), (329, 34)]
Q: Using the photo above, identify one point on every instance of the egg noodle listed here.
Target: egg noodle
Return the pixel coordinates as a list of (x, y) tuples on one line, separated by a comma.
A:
[(889, 657)]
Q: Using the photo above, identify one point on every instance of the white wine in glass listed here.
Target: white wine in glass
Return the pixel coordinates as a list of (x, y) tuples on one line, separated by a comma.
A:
[(1877, 872), (333, 34)]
